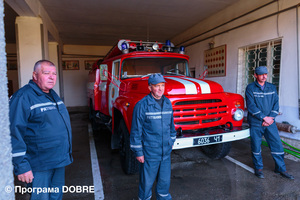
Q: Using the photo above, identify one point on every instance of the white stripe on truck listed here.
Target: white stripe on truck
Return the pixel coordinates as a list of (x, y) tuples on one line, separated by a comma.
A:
[(190, 88), (205, 89)]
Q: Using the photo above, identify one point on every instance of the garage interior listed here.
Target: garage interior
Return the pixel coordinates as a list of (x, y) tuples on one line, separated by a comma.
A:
[(86, 31), (82, 32)]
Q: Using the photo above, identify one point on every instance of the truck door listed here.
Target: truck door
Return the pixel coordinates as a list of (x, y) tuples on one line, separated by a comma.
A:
[(114, 85)]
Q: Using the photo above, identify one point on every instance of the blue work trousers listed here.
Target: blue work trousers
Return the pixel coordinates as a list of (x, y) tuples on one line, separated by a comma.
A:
[(159, 170), (53, 179), (273, 139)]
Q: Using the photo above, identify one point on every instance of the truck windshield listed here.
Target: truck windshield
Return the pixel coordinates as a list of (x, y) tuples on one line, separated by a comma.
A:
[(139, 67)]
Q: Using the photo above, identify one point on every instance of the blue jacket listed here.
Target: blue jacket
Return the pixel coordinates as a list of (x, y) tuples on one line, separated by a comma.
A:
[(261, 103), (152, 131), (40, 130)]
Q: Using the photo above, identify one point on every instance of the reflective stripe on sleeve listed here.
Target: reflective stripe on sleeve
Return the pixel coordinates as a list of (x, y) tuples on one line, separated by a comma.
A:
[(256, 113), (136, 146), (19, 154), (274, 111)]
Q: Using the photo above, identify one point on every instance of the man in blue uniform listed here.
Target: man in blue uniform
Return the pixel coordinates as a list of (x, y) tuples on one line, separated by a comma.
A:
[(263, 107), (152, 137), (41, 134)]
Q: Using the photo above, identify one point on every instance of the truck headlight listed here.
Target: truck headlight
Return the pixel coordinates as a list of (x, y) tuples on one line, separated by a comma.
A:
[(238, 114)]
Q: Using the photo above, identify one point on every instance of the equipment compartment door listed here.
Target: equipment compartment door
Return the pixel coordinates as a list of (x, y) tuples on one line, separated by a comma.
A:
[(102, 89), (114, 85)]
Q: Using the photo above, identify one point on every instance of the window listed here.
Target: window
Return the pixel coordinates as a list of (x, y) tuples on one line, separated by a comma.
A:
[(139, 67), (116, 68), (263, 54)]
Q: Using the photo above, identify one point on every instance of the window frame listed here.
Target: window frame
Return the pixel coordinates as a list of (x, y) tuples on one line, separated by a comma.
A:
[(243, 75)]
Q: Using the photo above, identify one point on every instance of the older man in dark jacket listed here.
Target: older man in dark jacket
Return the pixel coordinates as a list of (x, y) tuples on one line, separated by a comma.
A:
[(41, 134)]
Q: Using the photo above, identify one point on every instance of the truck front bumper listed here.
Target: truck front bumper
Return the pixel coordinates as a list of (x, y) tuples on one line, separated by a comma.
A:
[(212, 137)]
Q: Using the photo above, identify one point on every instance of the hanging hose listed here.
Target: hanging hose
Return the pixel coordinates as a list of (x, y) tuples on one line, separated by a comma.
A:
[(111, 78), (293, 151), (290, 145), (203, 75)]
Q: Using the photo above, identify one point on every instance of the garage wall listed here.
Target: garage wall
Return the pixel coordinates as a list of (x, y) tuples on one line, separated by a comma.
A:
[(74, 83), (284, 26)]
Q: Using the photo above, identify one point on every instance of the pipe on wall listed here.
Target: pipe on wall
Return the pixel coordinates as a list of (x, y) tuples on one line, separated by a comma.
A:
[(187, 43), (284, 126), (214, 28)]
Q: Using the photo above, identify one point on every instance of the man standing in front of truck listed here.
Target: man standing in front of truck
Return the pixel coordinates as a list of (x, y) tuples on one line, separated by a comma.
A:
[(263, 107), (152, 137)]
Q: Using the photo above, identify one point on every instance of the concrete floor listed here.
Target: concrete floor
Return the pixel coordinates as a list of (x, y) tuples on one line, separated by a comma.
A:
[(194, 176)]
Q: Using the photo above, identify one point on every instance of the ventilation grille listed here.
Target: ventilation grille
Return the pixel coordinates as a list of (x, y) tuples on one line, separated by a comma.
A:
[(199, 112), (197, 102)]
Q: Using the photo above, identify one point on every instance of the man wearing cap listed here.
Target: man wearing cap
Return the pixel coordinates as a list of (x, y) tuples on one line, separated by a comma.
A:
[(152, 137), (41, 134), (262, 104)]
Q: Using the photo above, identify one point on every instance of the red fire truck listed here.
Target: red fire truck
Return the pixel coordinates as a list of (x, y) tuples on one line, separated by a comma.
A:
[(204, 115)]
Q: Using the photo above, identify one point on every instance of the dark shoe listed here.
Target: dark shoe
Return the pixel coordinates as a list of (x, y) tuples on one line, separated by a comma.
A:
[(259, 173), (285, 175)]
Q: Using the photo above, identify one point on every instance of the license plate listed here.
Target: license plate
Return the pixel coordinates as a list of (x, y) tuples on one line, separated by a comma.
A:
[(208, 140)]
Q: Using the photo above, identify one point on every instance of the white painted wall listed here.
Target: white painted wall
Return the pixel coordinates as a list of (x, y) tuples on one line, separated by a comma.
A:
[(75, 81), (279, 26), (29, 46), (86, 50)]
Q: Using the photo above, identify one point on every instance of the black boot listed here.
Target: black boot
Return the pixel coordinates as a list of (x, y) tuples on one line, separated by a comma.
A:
[(259, 173), (285, 174)]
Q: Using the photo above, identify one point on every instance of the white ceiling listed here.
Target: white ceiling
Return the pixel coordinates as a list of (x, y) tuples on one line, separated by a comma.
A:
[(104, 22)]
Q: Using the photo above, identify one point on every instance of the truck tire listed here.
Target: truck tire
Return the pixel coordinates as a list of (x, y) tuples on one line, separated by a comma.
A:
[(128, 161), (217, 151)]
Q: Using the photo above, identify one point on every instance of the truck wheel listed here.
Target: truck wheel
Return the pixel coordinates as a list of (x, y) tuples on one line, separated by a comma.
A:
[(217, 151), (128, 161)]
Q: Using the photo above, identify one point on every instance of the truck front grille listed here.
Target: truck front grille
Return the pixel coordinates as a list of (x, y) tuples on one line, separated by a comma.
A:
[(197, 102), (199, 112), (211, 120)]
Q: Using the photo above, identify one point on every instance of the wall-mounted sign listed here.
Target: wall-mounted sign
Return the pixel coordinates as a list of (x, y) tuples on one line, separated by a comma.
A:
[(70, 65), (12, 65), (88, 64), (215, 60)]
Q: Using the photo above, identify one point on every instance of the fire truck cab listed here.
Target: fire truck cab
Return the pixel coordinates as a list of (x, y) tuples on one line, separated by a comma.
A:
[(204, 115)]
